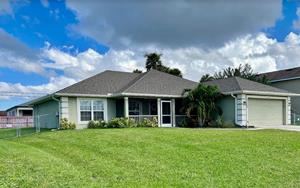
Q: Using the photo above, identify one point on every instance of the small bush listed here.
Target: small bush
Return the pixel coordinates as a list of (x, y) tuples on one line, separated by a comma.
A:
[(148, 123), (221, 123), (65, 124), (188, 122), (121, 123), (96, 124)]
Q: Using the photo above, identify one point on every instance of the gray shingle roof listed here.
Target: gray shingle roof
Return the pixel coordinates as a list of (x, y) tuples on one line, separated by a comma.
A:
[(102, 84), (160, 83), (235, 84), (112, 82), (283, 74)]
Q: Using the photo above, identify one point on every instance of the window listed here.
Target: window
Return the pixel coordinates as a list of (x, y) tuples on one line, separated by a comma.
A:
[(98, 110), (134, 108), (91, 110)]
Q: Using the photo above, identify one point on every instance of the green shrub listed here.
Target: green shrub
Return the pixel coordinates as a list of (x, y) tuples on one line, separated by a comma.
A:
[(148, 123), (65, 124), (121, 123), (188, 122), (221, 123), (96, 124)]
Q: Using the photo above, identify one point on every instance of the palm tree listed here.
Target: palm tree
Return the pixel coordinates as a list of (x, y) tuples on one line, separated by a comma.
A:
[(202, 102), (153, 61), (206, 77), (243, 71)]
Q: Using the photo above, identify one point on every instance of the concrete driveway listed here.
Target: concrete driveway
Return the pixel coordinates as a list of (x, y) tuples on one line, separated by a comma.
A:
[(281, 127)]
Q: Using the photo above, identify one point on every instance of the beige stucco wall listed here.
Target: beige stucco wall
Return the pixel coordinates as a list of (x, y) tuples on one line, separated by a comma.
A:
[(73, 110), (292, 86)]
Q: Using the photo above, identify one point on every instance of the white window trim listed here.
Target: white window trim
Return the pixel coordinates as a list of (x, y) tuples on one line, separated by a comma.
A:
[(104, 100)]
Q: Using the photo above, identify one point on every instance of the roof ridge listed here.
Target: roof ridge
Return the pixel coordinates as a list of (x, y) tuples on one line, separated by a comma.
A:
[(172, 75), (142, 76), (131, 83), (238, 83)]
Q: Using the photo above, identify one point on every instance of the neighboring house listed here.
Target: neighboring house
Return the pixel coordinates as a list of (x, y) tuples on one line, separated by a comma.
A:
[(288, 79), (20, 110), (2, 113), (155, 94)]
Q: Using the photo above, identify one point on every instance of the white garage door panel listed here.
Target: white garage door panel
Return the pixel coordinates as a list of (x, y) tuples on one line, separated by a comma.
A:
[(265, 112)]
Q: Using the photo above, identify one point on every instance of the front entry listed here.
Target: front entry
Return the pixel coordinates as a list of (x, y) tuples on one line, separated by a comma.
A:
[(166, 113)]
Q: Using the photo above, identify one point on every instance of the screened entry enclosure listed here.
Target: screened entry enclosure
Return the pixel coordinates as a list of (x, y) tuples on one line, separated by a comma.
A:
[(164, 111)]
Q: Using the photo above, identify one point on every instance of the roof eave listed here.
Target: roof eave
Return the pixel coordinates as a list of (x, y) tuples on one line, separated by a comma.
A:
[(284, 79), (261, 93), (80, 95), (146, 95)]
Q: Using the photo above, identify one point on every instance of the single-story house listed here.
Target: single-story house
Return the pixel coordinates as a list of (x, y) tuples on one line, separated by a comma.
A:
[(155, 94), (288, 79), (20, 110)]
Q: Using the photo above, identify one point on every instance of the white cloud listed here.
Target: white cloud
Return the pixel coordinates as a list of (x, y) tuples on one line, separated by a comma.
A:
[(262, 53), (296, 23), (89, 62)]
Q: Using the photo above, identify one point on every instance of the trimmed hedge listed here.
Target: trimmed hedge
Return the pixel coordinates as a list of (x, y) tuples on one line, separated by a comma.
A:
[(96, 124), (122, 123)]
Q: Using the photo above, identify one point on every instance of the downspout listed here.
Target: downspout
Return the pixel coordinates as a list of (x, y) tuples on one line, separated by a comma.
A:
[(58, 109), (235, 108)]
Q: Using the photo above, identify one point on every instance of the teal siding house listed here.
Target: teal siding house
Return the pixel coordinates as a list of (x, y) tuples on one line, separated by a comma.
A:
[(155, 94), (288, 79)]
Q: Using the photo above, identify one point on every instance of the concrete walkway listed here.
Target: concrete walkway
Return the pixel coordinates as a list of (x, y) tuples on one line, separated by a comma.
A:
[(281, 127)]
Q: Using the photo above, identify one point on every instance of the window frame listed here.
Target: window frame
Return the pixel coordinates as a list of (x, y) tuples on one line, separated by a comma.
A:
[(92, 100)]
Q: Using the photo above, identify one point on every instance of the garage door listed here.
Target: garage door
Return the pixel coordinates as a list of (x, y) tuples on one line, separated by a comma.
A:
[(262, 112)]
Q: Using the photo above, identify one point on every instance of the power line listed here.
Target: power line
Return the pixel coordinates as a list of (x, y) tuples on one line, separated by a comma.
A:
[(20, 94)]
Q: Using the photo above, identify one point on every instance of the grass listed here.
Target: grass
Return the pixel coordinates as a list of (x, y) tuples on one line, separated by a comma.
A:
[(12, 132), (157, 157)]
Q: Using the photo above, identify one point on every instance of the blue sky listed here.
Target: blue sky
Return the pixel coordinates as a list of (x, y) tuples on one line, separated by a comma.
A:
[(49, 45)]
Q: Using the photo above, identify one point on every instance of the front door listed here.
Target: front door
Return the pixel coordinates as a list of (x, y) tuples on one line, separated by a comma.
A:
[(166, 114)]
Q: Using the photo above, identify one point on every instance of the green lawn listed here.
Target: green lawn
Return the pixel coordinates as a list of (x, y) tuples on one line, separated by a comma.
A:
[(12, 132), (154, 157)]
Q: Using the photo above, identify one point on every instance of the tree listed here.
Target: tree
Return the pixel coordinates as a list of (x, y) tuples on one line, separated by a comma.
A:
[(243, 71), (137, 71), (153, 61), (206, 77), (202, 102), (175, 72)]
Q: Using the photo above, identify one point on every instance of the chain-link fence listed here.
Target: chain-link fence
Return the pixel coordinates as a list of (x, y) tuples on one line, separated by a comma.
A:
[(11, 126)]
